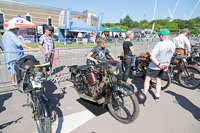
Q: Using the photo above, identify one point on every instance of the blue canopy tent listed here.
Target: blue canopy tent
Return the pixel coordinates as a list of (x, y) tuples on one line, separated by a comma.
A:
[(80, 25), (76, 25)]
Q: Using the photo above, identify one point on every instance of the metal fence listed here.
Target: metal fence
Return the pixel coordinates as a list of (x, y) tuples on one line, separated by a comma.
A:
[(70, 56)]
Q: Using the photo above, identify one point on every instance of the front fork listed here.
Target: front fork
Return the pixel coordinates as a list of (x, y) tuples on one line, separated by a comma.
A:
[(43, 102)]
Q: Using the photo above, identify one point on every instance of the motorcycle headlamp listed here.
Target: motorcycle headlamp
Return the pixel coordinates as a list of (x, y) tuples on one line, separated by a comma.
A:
[(37, 74), (114, 70)]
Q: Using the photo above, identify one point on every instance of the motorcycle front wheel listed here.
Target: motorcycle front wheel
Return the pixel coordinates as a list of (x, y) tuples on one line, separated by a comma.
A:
[(123, 108), (43, 123)]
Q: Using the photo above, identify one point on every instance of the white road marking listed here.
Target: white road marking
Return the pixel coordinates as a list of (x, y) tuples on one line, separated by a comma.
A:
[(69, 123)]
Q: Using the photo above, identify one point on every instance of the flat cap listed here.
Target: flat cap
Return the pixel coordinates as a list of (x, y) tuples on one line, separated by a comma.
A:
[(184, 30)]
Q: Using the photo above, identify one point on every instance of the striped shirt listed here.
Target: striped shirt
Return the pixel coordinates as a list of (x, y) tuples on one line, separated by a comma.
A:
[(47, 43)]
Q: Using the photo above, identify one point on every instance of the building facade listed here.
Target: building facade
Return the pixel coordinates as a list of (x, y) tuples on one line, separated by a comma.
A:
[(36, 13)]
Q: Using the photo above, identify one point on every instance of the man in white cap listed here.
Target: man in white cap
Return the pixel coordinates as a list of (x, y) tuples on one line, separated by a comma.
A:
[(12, 43)]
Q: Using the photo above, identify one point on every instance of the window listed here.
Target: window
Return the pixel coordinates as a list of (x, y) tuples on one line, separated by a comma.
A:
[(28, 18), (49, 21), (1, 20)]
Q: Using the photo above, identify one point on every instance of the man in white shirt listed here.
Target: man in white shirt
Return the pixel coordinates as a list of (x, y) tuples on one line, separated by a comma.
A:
[(160, 60), (182, 43), (80, 37)]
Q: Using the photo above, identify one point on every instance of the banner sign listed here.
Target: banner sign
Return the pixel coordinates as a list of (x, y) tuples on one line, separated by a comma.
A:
[(152, 28), (39, 29), (99, 21), (61, 18), (84, 19), (67, 18), (27, 39), (89, 19)]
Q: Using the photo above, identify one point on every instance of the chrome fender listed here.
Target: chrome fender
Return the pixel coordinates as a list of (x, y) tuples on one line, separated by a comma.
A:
[(123, 88)]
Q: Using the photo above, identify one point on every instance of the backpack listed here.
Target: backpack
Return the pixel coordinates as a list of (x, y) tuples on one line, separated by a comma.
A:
[(23, 82)]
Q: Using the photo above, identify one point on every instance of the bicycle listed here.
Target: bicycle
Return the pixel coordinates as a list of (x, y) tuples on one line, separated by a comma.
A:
[(36, 99)]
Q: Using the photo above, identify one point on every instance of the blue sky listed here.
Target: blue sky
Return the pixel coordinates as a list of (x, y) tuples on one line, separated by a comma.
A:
[(138, 10)]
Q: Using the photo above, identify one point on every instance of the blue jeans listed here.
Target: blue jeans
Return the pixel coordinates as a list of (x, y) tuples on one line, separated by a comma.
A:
[(10, 67)]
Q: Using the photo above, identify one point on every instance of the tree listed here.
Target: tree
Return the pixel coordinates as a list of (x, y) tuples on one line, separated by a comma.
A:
[(127, 23)]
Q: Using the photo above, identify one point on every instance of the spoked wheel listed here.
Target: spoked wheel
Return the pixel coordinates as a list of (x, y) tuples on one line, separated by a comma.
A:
[(43, 123), (166, 80), (123, 108), (190, 77)]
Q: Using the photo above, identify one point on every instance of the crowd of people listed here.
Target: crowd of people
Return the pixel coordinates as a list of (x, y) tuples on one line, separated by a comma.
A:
[(160, 55)]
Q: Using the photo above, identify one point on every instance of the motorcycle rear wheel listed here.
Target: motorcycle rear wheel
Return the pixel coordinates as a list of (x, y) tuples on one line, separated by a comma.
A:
[(166, 81), (190, 80), (118, 109)]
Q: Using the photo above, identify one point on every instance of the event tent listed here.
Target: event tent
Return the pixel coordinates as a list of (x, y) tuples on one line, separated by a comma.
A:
[(104, 29), (79, 25), (137, 30), (21, 22), (114, 29)]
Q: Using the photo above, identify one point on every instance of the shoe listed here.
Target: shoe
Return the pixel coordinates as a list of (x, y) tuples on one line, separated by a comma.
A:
[(157, 99)]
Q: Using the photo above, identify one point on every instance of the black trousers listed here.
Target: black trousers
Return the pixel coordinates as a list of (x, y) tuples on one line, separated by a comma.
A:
[(127, 63)]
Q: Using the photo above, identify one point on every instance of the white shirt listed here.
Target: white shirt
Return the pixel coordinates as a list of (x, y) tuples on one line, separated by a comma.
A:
[(183, 42), (80, 35), (163, 52)]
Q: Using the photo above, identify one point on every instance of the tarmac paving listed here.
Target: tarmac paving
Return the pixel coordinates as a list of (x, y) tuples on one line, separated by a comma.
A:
[(177, 112)]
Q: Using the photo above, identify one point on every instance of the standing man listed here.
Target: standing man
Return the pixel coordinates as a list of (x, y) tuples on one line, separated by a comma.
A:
[(80, 37), (182, 43), (160, 60), (12, 43), (46, 44)]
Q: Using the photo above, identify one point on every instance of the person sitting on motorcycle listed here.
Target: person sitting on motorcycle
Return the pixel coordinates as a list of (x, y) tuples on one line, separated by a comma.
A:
[(99, 52), (182, 43)]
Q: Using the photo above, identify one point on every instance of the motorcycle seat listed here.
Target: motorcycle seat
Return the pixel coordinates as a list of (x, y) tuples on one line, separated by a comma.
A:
[(84, 67)]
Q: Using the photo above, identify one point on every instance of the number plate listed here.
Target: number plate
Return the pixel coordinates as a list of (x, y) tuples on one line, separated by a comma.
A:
[(36, 84)]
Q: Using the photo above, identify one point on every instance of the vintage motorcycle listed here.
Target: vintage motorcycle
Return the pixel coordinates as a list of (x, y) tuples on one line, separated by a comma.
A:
[(187, 75), (99, 83), (194, 58)]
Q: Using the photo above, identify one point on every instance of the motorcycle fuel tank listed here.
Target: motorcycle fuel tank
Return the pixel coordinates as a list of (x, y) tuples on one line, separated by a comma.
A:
[(92, 78)]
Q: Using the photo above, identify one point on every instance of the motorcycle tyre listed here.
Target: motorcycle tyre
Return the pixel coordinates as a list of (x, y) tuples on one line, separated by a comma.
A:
[(134, 115), (189, 87)]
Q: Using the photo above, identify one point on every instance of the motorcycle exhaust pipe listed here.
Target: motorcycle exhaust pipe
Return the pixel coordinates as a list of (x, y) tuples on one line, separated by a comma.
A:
[(87, 97)]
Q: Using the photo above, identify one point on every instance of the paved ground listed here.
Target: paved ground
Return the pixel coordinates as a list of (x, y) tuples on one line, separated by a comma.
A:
[(177, 112)]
